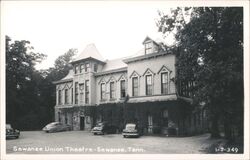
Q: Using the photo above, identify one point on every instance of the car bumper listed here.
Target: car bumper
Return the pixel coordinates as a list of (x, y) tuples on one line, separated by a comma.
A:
[(130, 134), (12, 135), (97, 132)]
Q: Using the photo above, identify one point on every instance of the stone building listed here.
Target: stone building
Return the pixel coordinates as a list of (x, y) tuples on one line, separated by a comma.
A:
[(140, 89)]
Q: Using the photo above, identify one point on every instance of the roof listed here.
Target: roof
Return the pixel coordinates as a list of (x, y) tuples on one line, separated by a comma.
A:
[(90, 52), (69, 77), (115, 65), (145, 56)]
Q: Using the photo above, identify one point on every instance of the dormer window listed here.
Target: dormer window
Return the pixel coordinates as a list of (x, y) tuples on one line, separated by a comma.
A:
[(148, 47)]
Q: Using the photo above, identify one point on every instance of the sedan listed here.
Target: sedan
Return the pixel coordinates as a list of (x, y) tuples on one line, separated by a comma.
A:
[(11, 133), (56, 127), (131, 130), (104, 128)]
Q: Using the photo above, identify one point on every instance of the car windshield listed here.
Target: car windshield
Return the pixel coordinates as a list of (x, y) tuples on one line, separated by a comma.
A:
[(99, 124), (52, 124), (130, 126), (8, 126)]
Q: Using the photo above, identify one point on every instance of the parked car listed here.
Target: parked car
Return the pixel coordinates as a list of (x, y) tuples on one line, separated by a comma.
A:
[(131, 130), (56, 127), (104, 128), (11, 133)]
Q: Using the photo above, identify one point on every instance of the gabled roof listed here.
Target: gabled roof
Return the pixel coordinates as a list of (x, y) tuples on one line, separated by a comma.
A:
[(90, 52), (149, 39)]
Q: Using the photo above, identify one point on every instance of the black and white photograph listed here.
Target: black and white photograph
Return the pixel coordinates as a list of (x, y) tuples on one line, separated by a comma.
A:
[(124, 80)]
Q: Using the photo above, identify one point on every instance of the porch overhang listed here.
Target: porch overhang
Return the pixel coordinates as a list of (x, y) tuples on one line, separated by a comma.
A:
[(155, 98)]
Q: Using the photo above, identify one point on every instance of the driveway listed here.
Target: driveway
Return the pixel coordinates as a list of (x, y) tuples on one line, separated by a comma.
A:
[(83, 142)]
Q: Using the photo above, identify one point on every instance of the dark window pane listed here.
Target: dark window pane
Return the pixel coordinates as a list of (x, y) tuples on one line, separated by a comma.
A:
[(123, 89), (149, 85), (135, 86)]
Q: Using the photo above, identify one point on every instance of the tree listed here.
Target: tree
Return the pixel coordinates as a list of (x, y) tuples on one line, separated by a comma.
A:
[(210, 52), (21, 88), (30, 94)]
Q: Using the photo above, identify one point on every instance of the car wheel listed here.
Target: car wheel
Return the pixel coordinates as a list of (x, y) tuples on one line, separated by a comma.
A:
[(124, 136), (94, 133)]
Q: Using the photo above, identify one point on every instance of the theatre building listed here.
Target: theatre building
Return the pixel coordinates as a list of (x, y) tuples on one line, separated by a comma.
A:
[(141, 88)]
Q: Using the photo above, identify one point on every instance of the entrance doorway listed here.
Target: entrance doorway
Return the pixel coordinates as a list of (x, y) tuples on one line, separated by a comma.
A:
[(82, 123), (150, 124)]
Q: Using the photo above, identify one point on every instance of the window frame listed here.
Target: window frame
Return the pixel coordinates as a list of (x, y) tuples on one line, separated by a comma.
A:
[(76, 93), (112, 90), (76, 69), (59, 97), (66, 96), (103, 91), (166, 83), (81, 68), (121, 89), (133, 86), (148, 47), (87, 91), (87, 67), (147, 86)]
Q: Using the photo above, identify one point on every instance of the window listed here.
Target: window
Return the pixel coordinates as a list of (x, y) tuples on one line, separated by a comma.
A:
[(81, 87), (95, 67), (81, 68), (66, 96), (165, 118), (76, 69), (87, 91), (164, 83), (72, 98), (87, 97), (59, 116), (76, 92), (123, 89), (149, 85), (102, 91), (135, 86), (87, 67), (66, 118), (112, 90), (59, 97), (149, 47)]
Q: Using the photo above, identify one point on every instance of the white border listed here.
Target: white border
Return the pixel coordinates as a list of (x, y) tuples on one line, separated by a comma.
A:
[(245, 156)]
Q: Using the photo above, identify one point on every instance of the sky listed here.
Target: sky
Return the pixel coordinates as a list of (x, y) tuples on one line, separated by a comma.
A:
[(53, 27)]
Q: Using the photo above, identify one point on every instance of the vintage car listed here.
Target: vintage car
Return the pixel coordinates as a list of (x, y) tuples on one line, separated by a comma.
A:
[(11, 133), (104, 128), (56, 127), (131, 130)]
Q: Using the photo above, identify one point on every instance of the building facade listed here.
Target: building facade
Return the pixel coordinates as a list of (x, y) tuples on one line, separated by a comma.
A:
[(139, 89)]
